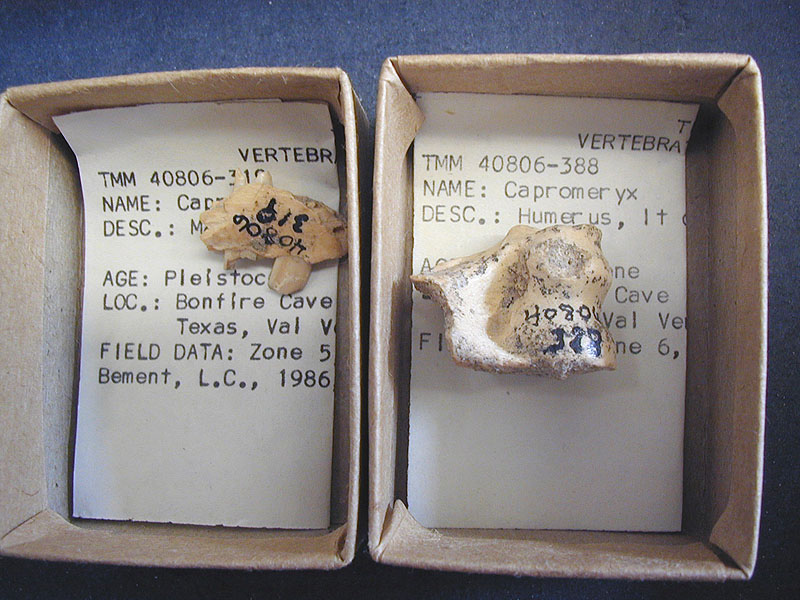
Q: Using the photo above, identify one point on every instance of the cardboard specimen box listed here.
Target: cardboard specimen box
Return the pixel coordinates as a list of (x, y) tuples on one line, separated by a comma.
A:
[(726, 309), (40, 307)]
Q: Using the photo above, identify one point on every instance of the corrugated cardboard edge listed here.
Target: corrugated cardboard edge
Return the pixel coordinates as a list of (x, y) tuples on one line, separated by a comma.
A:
[(736, 530), (35, 531), (394, 536)]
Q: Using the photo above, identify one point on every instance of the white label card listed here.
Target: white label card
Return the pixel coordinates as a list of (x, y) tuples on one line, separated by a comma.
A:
[(205, 397), (599, 451)]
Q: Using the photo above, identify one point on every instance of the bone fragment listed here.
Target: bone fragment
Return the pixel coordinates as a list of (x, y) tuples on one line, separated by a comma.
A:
[(529, 304), (261, 221), (289, 274)]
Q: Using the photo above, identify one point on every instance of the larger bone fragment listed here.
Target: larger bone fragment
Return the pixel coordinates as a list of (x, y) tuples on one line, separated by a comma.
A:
[(261, 221), (530, 304)]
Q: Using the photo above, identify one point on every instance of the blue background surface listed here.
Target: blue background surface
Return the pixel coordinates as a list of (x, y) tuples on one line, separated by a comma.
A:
[(49, 41)]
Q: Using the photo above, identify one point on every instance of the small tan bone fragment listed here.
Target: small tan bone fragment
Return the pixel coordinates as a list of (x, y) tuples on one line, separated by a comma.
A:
[(289, 274), (530, 304), (261, 221)]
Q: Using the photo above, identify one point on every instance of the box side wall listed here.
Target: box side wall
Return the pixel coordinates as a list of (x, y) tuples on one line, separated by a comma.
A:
[(715, 298), (24, 159), (721, 322), (552, 553), (44, 101), (48, 536), (675, 77), (398, 120), (698, 403), (743, 341), (63, 285), (725, 412), (345, 373), (348, 467)]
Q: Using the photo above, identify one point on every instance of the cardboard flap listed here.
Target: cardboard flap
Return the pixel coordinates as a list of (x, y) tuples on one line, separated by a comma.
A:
[(736, 530), (406, 120), (44, 524), (391, 288), (23, 490), (43, 101), (395, 518), (48, 536)]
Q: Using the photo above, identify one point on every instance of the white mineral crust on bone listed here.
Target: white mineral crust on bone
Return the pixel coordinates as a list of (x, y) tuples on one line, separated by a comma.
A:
[(261, 221), (530, 304)]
